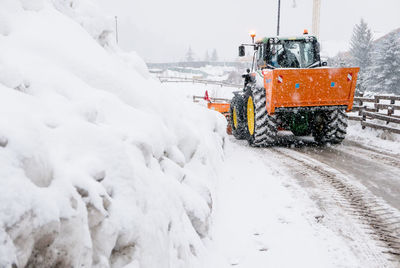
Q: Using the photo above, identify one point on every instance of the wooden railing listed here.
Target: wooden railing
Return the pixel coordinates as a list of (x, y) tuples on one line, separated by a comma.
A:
[(371, 108)]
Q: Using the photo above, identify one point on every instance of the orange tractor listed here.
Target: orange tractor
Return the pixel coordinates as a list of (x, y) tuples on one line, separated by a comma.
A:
[(290, 88)]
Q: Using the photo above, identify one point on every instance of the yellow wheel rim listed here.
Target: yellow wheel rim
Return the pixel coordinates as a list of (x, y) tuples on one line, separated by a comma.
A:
[(250, 115), (235, 121)]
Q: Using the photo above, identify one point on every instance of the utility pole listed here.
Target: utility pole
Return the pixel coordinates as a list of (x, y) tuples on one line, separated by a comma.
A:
[(116, 29), (316, 17), (279, 17)]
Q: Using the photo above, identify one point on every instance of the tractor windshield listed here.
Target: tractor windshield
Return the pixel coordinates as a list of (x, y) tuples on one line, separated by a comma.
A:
[(292, 54)]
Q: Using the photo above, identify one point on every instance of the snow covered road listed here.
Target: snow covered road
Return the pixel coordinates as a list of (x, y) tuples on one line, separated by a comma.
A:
[(301, 205), (376, 169), (308, 206)]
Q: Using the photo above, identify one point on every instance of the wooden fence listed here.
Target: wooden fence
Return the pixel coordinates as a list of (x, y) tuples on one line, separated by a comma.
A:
[(371, 108)]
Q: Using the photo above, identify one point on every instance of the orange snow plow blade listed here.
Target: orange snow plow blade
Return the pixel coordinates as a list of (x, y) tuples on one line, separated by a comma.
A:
[(310, 87), (219, 107), (223, 108)]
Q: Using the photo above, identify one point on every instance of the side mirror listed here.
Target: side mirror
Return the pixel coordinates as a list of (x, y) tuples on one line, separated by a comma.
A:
[(242, 51), (324, 63)]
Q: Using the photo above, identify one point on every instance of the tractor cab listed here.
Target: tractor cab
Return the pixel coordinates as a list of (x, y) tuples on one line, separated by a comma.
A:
[(284, 52)]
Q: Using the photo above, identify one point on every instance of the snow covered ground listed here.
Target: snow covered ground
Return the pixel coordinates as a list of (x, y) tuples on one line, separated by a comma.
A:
[(188, 90), (102, 166), (265, 219), (209, 72), (272, 210)]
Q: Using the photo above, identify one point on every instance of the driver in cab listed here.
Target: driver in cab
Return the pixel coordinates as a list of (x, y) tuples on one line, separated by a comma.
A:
[(285, 58)]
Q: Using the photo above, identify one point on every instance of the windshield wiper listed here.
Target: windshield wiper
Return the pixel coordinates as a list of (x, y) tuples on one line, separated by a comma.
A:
[(271, 67), (315, 64)]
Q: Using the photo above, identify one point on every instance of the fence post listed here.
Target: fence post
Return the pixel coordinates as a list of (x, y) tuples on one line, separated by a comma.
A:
[(376, 102), (390, 111), (364, 118), (361, 108)]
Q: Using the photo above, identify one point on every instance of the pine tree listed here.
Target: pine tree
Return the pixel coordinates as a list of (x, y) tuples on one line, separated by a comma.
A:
[(361, 53), (340, 60), (207, 57), (214, 56), (387, 66), (190, 55)]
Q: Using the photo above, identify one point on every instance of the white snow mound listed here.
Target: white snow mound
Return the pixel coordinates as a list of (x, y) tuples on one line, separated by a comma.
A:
[(100, 167)]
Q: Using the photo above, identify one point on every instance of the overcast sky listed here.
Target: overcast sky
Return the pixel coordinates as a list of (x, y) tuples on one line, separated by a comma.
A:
[(163, 30)]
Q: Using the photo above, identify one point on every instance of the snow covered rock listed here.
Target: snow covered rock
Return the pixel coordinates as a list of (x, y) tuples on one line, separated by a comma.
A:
[(100, 166)]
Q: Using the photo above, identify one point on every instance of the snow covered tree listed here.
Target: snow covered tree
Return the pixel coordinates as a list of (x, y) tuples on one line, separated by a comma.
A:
[(387, 66), (340, 60), (207, 57), (190, 55), (214, 56), (361, 53)]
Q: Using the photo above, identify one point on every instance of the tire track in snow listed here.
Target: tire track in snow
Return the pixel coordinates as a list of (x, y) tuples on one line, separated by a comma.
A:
[(379, 173), (371, 148), (381, 156), (380, 222)]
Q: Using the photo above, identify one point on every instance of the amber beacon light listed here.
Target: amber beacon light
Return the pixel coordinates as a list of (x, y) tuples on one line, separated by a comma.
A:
[(253, 34)]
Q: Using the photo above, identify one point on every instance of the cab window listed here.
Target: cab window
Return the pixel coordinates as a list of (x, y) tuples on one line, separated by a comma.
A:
[(260, 55)]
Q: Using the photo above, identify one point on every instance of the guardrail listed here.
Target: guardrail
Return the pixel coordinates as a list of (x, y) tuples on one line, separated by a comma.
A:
[(217, 100), (374, 111), (174, 79)]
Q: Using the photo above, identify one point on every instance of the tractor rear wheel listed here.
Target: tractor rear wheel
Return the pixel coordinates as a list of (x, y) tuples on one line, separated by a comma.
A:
[(330, 127), (261, 128), (237, 119)]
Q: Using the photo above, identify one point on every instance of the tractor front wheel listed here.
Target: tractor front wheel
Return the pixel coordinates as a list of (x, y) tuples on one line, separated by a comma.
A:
[(237, 121), (261, 128)]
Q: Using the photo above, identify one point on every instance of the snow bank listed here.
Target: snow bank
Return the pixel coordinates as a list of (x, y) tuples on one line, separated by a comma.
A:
[(99, 166), (378, 139)]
